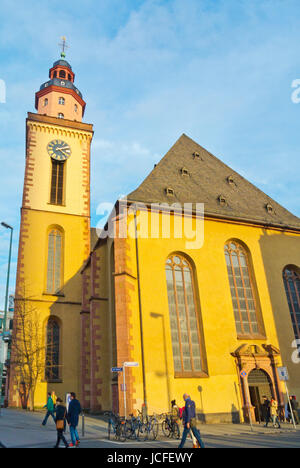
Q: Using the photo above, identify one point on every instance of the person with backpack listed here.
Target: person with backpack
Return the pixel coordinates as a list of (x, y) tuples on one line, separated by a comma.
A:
[(189, 420), (174, 411), (274, 413), (73, 419), (61, 413), (50, 410)]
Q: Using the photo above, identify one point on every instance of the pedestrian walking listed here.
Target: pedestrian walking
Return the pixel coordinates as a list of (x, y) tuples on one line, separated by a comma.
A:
[(174, 411), (73, 419), (50, 410), (266, 410), (295, 405), (189, 420), (274, 413), (54, 398), (60, 419)]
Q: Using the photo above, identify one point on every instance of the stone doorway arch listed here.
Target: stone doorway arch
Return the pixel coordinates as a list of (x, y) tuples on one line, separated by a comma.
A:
[(260, 385), (260, 364)]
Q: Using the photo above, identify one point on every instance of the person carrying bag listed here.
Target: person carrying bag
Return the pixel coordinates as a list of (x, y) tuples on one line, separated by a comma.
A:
[(60, 420)]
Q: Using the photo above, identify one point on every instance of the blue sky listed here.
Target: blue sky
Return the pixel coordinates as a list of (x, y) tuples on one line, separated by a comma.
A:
[(218, 70)]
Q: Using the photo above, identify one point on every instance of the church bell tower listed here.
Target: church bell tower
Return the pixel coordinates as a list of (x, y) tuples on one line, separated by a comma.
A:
[(55, 229)]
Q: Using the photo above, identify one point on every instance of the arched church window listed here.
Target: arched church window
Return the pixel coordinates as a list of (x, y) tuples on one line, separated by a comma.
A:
[(291, 279), (52, 350), (61, 116), (186, 342), (61, 101), (62, 74), (55, 261), (46, 102), (242, 290)]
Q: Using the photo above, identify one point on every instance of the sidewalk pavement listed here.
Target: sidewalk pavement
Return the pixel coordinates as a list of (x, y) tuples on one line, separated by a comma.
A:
[(20, 428)]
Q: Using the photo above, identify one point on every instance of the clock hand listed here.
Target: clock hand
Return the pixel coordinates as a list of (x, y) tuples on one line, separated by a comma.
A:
[(64, 153)]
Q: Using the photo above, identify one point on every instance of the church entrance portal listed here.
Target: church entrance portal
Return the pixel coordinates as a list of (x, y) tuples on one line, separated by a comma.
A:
[(260, 385)]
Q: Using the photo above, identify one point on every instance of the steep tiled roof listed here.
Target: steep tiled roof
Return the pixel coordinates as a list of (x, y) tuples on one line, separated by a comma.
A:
[(190, 174)]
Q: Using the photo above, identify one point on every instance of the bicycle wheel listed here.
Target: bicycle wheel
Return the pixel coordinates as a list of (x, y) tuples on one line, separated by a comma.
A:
[(166, 429), (143, 432), (128, 430), (155, 430), (109, 430), (122, 436), (176, 431)]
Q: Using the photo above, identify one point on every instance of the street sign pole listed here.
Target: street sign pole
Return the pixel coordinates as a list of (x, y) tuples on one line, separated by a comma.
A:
[(290, 405), (284, 377), (127, 364), (124, 390)]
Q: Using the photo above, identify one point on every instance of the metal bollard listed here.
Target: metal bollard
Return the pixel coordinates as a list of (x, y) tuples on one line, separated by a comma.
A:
[(83, 426)]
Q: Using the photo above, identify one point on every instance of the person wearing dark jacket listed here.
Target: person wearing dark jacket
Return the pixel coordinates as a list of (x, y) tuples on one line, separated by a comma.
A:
[(60, 419), (73, 419), (189, 419), (266, 410), (294, 405)]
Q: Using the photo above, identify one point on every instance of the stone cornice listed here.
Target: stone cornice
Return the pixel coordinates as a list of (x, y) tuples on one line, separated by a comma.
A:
[(61, 127)]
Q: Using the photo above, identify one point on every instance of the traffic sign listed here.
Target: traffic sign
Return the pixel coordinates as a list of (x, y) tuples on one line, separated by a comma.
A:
[(117, 369), (131, 364), (283, 374)]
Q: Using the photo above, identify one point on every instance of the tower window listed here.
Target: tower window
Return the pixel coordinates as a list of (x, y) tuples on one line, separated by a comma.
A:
[(61, 101), (55, 74), (62, 74), (69, 77), (76, 108), (54, 266), (61, 115), (57, 183), (52, 350), (46, 102)]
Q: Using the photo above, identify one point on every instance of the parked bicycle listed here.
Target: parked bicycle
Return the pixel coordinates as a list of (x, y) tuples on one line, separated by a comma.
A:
[(136, 429), (170, 427), (116, 427), (152, 427)]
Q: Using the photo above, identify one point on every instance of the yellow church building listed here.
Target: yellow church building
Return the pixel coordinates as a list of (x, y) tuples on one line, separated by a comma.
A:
[(192, 287)]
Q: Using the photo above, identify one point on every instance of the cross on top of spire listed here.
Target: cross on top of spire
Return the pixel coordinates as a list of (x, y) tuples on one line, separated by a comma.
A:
[(63, 46)]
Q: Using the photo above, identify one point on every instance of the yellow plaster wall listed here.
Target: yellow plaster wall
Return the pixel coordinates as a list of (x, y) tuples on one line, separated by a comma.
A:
[(220, 392)]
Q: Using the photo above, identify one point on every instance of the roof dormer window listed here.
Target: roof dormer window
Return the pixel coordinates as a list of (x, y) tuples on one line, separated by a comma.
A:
[(169, 191), (222, 200), (184, 171)]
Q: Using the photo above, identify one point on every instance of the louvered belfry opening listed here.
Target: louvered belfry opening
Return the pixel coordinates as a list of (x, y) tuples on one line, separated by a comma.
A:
[(57, 183)]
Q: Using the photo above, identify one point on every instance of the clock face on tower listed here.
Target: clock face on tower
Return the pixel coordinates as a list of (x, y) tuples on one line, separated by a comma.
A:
[(59, 150)]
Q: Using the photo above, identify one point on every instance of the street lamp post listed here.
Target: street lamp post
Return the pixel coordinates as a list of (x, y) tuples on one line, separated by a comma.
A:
[(7, 226)]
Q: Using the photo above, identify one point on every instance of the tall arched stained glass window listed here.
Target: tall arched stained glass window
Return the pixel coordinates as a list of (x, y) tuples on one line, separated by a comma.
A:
[(242, 290), (291, 279), (183, 317), (54, 268), (52, 350)]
